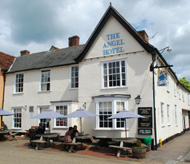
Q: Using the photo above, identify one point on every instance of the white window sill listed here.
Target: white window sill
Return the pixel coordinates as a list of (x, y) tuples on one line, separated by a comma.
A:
[(18, 93), (73, 88), (61, 127), (16, 128), (115, 88), (110, 129), (169, 124), (44, 91)]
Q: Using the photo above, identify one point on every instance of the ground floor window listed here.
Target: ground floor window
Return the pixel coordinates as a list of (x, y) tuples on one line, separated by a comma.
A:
[(17, 117), (45, 122), (106, 108), (62, 109)]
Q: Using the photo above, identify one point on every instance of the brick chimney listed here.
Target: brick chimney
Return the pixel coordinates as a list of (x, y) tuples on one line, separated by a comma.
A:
[(74, 41), (24, 52), (143, 35)]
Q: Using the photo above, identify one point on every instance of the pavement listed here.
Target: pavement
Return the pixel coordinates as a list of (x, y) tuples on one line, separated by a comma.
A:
[(176, 151)]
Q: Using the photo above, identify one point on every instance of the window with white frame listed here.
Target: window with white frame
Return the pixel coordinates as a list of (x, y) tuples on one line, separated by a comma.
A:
[(19, 83), (188, 99), (175, 91), (106, 108), (17, 117), (45, 80), (74, 77), (105, 111), (62, 109), (168, 113), (44, 121), (120, 123), (168, 82), (162, 114), (175, 107), (114, 74), (183, 96)]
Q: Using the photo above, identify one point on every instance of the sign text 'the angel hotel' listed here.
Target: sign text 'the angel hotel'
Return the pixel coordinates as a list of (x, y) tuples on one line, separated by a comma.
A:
[(113, 45)]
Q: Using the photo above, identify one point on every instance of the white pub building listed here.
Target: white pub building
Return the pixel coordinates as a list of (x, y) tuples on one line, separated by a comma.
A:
[(116, 66)]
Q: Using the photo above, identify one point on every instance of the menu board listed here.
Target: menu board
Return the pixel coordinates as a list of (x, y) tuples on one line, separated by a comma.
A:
[(145, 131), (145, 122)]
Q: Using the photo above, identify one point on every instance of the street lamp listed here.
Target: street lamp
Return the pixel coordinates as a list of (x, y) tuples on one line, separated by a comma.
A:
[(166, 48)]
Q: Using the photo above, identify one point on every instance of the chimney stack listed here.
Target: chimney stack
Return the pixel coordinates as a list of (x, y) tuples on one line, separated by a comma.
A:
[(24, 52), (74, 41), (143, 35)]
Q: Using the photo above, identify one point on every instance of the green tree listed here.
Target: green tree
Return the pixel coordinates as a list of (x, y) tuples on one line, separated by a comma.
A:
[(185, 83)]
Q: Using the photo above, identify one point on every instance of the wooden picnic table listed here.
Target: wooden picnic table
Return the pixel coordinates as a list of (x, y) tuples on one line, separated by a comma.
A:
[(87, 136), (121, 145), (48, 136), (4, 132)]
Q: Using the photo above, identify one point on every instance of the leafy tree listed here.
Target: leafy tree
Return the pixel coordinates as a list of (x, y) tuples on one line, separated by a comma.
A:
[(185, 83)]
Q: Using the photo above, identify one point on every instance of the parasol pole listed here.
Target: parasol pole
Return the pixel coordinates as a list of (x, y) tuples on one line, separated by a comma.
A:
[(125, 128), (81, 125)]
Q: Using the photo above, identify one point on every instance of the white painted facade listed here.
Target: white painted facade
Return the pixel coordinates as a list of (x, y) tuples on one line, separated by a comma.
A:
[(91, 88)]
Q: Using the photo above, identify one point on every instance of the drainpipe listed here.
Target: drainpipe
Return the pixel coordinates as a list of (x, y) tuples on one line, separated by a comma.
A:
[(154, 107)]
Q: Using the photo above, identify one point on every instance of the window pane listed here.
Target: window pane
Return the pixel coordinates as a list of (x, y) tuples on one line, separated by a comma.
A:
[(105, 111)]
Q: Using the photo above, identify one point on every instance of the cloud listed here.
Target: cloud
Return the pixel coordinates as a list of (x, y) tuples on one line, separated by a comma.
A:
[(36, 25)]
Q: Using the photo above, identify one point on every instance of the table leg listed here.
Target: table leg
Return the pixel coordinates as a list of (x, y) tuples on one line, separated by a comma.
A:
[(48, 142), (118, 153)]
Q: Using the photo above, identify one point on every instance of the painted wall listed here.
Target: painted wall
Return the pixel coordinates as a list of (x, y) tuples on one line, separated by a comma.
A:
[(32, 96), (167, 96), (138, 75)]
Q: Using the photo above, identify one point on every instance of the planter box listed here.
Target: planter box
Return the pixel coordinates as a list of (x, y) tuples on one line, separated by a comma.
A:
[(139, 152)]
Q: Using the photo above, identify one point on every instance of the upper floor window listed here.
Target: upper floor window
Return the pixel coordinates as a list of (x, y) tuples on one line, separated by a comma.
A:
[(45, 80), (114, 74), (19, 83), (175, 90), (74, 77), (168, 83)]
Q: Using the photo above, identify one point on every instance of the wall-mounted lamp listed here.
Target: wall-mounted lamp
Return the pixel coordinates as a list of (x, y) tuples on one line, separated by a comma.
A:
[(138, 99), (25, 107)]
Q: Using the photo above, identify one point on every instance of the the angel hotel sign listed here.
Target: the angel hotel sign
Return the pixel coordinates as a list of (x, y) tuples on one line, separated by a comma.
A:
[(113, 45)]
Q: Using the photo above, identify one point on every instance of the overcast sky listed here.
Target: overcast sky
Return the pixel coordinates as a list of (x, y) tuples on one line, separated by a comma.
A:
[(36, 25)]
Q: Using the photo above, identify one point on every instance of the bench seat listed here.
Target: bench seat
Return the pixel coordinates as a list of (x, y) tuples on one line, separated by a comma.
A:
[(38, 142), (119, 148), (71, 144)]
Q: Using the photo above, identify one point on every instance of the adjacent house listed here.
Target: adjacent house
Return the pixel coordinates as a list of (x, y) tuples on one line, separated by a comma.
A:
[(106, 75), (5, 62)]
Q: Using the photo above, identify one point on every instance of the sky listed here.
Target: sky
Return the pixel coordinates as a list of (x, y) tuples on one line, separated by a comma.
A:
[(36, 25)]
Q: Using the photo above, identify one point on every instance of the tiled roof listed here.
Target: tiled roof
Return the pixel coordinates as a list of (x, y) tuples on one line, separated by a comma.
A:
[(46, 59), (5, 61)]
